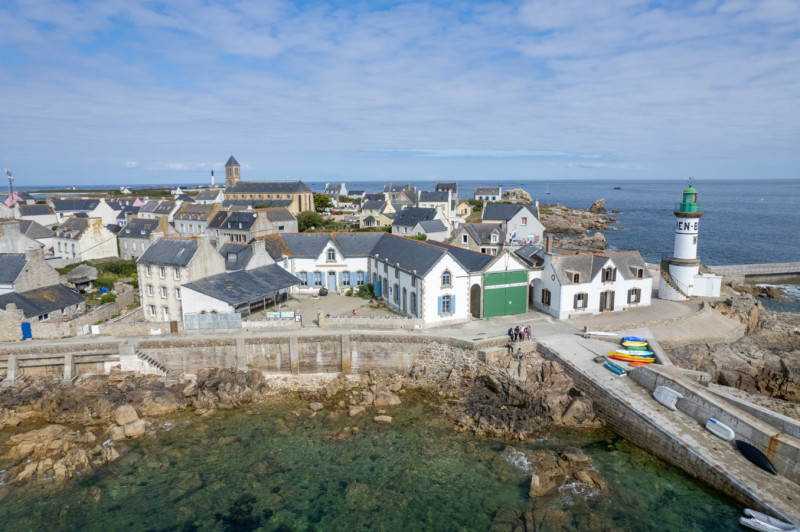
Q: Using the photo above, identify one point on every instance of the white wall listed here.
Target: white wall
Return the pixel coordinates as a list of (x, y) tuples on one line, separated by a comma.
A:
[(197, 302)]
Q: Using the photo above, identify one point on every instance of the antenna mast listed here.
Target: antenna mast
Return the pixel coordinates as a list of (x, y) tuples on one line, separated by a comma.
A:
[(10, 186)]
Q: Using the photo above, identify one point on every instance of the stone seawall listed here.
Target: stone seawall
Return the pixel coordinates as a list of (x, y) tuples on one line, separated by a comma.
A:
[(644, 432)]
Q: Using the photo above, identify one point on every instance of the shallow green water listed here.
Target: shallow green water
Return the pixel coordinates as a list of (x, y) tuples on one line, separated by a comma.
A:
[(270, 469)]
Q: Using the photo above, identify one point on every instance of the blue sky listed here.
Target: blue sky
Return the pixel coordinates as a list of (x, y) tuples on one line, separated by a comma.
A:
[(128, 91)]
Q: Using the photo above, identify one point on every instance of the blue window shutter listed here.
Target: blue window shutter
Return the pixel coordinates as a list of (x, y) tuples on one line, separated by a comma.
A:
[(452, 304), (440, 305)]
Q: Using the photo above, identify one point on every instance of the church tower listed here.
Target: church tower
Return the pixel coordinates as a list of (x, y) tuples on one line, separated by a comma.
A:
[(678, 274), (231, 172)]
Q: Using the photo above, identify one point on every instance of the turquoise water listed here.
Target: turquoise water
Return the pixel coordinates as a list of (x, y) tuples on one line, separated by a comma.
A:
[(271, 470)]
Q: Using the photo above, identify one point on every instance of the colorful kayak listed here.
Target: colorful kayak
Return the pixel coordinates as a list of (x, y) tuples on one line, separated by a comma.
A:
[(636, 364), (639, 348), (633, 339), (634, 352), (634, 344), (615, 369), (632, 356), (628, 358)]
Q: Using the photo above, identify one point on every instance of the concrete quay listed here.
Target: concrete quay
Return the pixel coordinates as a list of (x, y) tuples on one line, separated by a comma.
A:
[(677, 436), (743, 271)]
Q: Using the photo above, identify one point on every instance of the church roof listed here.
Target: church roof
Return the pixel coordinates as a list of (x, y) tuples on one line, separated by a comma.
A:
[(232, 161)]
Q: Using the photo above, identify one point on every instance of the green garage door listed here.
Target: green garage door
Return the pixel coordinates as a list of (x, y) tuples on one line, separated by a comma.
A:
[(505, 293)]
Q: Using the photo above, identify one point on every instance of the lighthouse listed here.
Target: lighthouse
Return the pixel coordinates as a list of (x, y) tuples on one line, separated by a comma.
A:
[(679, 274)]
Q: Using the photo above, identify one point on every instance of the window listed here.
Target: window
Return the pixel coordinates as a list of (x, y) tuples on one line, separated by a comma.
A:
[(125, 245), (576, 278), (634, 295), (177, 274), (331, 255), (524, 220), (413, 303), (178, 294), (359, 278), (162, 272), (317, 278), (134, 246), (166, 313), (149, 290), (163, 291), (446, 305), (396, 294), (464, 239), (609, 275), (44, 317), (494, 238), (413, 280), (152, 310), (148, 270), (345, 278), (385, 267), (546, 297), (303, 276), (580, 301), (397, 273), (446, 281), (640, 273)]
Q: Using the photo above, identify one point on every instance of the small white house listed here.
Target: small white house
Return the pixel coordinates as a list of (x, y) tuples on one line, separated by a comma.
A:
[(521, 222), (591, 283)]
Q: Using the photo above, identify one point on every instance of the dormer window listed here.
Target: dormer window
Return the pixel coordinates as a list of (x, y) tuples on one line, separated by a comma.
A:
[(464, 239), (494, 238), (231, 257), (446, 279), (331, 255), (609, 275), (576, 278)]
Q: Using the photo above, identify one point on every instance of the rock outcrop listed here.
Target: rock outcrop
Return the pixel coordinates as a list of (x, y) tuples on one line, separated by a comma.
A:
[(517, 195), (598, 207), (581, 244), (558, 219)]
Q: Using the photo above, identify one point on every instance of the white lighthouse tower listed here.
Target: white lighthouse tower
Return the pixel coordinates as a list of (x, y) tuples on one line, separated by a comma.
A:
[(680, 277)]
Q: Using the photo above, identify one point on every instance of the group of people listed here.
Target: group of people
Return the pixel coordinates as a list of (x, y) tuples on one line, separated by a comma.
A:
[(515, 334), (519, 333)]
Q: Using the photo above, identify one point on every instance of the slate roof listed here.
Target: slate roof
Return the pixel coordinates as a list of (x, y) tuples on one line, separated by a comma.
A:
[(355, 193), (241, 287), (333, 189), (185, 199), (11, 264), (218, 219), (482, 233), (472, 261), (588, 265), (169, 252), (530, 254), (149, 206), (139, 228), (280, 215), (239, 221), (505, 211), (163, 207), (72, 227), (411, 216), (267, 187), (432, 226), (35, 210), (35, 230), (236, 255), (207, 195), (82, 274), (375, 196), (433, 197), (411, 255), (232, 161), (75, 205), (126, 210), (253, 203), (487, 191), (357, 244), (41, 300), (396, 188), (193, 211), (452, 187), (373, 205), (302, 245)]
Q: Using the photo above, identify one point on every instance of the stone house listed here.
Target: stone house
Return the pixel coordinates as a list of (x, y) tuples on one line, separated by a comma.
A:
[(486, 238), (245, 256), (82, 239), (155, 209), (299, 196), (408, 218), (20, 272), (192, 219), (439, 200), (377, 214), (138, 234), (89, 207), (41, 214), (165, 266), (45, 303)]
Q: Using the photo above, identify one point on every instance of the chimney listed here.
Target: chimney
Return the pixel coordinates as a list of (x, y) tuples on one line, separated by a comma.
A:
[(549, 244)]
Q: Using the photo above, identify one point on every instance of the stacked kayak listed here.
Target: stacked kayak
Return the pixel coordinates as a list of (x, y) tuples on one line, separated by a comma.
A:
[(636, 351)]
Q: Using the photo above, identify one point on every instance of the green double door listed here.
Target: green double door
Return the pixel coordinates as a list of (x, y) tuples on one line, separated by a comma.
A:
[(505, 294)]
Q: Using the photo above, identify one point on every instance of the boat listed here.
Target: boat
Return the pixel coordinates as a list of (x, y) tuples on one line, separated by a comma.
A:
[(633, 339), (634, 352), (720, 430), (637, 364), (617, 188), (634, 344), (758, 521), (628, 358), (615, 369), (667, 397), (755, 455), (635, 356), (598, 333)]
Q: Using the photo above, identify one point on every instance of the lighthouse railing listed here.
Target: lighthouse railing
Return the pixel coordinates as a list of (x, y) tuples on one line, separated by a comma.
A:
[(676, 284)]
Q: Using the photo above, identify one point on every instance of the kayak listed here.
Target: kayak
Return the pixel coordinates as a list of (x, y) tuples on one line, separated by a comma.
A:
[(639, 348), (720, 430), (634, 352), (633, 339), (758, 521), (634, 344), (637, 364), (628, 358), (756, 456), (622, 352), (615, 369)]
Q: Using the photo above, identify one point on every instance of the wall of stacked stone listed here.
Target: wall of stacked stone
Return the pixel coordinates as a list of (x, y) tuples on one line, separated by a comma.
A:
[(643, 432), (190, 354), (268, 354), (369, 322)]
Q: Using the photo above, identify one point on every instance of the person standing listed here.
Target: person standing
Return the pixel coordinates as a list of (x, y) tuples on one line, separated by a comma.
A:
[(520, 354)]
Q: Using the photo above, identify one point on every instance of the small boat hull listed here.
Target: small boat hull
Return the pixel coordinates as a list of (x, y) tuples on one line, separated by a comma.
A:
[(634, 353), (630, 358), (636, 364), (667, 397), (633, 339), (634, 344), (755, 455), (720, 430), (615, 369), (765, 523)]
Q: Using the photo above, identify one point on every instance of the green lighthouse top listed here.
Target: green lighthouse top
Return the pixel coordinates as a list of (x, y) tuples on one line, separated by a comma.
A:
[(689, 203)]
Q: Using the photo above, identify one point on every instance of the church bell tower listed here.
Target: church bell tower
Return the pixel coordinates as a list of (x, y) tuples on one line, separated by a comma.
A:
[(231, 172)]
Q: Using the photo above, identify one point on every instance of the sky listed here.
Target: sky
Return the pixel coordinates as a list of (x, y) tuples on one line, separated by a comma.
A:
[(148, 92)]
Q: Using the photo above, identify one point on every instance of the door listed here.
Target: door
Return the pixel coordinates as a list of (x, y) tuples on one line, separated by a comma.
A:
[(331, 281), (26, 330), (505, 293), (607, 301)]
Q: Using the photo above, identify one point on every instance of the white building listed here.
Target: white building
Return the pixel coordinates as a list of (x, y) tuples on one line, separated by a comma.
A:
[(80, 239), (488, 194), (591, 283), (521, 222), (680, 277)]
